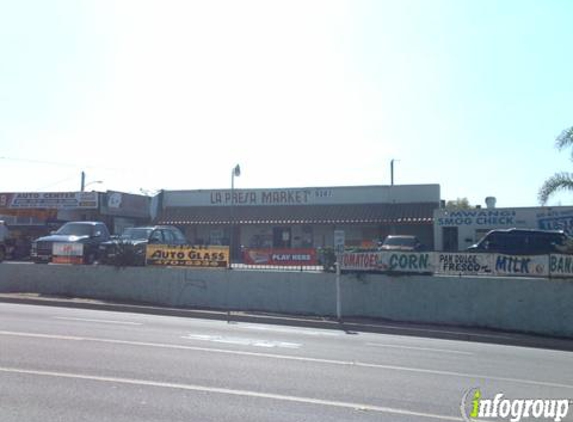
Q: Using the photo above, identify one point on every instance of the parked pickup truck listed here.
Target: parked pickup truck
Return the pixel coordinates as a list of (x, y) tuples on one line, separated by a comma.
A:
[(130, 248), (90, 233), (3, 240)]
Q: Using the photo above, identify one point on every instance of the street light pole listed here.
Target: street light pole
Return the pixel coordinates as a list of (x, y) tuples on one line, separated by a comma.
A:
[(392, 172), (236, 172), (84, 184)]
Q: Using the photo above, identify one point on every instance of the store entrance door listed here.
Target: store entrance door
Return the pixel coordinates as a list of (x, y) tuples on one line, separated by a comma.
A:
[(450, 236), (282, 237)]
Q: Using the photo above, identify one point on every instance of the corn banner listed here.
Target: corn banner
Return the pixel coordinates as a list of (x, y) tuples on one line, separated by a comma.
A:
[(406, 262)]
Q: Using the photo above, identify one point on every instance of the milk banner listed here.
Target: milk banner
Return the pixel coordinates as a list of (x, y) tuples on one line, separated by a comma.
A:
[(519, 265)]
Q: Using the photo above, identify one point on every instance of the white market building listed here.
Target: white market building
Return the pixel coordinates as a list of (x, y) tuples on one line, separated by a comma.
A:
[(301, 217)]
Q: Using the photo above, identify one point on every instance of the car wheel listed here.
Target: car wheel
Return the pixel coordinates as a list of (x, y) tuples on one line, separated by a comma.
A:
[(90, 259)]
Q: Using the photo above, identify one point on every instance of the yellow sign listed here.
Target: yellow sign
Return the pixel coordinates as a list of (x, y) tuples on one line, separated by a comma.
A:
[(188, 256)]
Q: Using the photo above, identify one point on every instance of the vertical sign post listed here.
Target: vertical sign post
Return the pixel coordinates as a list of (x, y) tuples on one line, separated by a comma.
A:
[(339, 240)]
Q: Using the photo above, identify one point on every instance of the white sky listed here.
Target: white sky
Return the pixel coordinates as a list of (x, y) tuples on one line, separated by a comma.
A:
[(165, 94)]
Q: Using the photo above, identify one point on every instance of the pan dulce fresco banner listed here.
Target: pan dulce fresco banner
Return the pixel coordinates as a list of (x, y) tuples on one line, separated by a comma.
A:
[(463, 263)]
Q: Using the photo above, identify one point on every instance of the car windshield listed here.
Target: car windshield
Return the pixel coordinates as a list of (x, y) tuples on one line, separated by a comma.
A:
[(179, 236), (76, 229), (136, 234)]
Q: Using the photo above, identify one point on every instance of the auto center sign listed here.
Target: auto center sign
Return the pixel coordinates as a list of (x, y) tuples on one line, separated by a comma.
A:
[(49, 200)]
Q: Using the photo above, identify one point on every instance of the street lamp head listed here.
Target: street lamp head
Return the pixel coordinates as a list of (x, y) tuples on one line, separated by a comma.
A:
[(237, 170), (85, 185)]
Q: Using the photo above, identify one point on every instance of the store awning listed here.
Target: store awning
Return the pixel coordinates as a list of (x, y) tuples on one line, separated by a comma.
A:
[(421, 213)]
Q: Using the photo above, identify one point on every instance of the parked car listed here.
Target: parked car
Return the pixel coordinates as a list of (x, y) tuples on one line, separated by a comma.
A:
[(524, 242), (130, 247), (401, 243), (4, 235), (90, 233)]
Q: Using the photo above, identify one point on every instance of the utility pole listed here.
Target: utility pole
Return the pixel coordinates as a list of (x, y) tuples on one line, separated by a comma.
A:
[(83, 185), (392, 172), (235, 173)]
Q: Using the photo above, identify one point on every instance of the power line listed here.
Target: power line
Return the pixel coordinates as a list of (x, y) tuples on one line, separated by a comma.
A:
[(59, 182), (26, 160), (59, 164)]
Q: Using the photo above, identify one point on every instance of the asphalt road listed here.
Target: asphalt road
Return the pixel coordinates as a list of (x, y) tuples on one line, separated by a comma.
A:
[(60, 364)]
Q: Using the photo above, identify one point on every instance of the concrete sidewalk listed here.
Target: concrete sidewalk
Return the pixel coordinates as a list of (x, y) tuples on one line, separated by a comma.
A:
[(350, 326)]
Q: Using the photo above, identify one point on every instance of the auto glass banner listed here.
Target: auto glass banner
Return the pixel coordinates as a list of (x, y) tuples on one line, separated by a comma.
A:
[(188, 256)]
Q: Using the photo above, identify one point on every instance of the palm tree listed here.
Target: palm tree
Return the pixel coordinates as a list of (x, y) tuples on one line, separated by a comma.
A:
[(562, 180)]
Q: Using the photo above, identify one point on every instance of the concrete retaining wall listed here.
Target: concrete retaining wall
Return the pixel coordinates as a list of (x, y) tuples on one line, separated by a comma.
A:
[(539, 306)]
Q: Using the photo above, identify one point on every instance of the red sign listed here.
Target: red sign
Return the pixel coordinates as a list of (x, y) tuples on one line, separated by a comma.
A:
[(362, 261), (79, 260), (290, 257)]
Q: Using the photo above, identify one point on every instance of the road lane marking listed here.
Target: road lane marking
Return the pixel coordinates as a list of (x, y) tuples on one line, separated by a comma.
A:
[(437, 331), (425, 349), (232, 392), (293, 331), (291, 358), (103, 321), (242, 341)]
